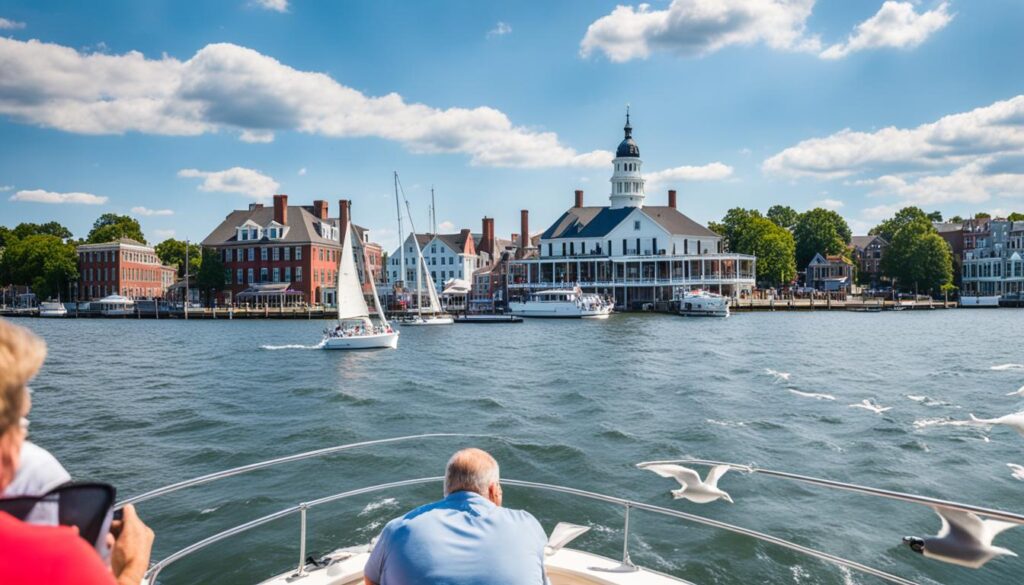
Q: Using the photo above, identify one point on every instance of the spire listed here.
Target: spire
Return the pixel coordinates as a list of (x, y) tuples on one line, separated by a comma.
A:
[(627, 128)]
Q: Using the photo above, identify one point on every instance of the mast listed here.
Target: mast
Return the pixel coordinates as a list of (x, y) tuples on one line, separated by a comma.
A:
[(401, 242), (433, 211)]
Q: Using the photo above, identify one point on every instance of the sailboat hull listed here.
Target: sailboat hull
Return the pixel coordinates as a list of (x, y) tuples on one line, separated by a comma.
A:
[(446, 320), (378, 341)]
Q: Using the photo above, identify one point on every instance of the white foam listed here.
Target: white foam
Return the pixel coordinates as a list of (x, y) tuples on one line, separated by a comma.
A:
[(778, 375), (940, 422), (208, 510), (814, 395), (1004, 367), (377, 505), (291, 346), (925, 400), (726, 423)]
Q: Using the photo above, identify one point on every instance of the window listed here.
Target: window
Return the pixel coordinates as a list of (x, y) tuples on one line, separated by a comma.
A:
[(563, 248), (298, 254), (572, 248), (263, 275), (252, 254), (245, 235), (321, 254), (227, 276), (550, 253), (277, 255), (277, 274), (263, 253), (636, 225), (227, 255), (686, 246), (624, 246), (287, 273), (298, 274), (287, 253), (654, 245), (250, 279), (238, 276)]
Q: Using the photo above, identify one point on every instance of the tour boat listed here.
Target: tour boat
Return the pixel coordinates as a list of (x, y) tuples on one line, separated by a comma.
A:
[(989, 302), (701, 303), (355, 330), (114, 306), (565, 565), (562, 304), (52, 309)]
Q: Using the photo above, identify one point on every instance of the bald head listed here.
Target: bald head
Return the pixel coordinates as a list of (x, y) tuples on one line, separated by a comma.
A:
[(472, 470)]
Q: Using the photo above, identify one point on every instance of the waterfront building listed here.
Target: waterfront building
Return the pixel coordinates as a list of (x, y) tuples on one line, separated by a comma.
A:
[(628, 250), (123, 267), (296, 245), (995, 263), (867, 252), (830, 273), (953, 234), (447, 257)]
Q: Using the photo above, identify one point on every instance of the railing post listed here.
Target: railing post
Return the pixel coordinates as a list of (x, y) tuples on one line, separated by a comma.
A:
[(626, 561), (301, 572)]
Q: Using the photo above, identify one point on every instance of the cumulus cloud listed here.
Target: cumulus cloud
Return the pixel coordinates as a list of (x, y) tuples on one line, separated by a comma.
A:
[(6, 188), (275, 5), (41, 196), (6, 24), (145, 211), (715, 171), (228, 87), (699, 27), (240, 180), (501, 29), (896, 24), (828, 203), (966, 157), (446, 226)]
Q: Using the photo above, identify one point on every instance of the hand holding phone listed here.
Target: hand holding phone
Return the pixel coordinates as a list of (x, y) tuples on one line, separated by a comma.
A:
[(133, 543)]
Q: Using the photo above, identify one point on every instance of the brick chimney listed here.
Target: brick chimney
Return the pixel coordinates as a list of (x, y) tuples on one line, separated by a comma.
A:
[(281, 209), (487, 236), (672, 198), (320, 208), (524, 228), (466, 235), (344, 216), (579, 198)]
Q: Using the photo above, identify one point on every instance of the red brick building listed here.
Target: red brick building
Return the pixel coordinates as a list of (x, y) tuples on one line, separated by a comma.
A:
[(124, 267), (291, 244)]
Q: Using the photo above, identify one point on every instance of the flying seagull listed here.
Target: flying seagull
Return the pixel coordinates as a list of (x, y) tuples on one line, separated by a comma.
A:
[(693, 489), (778, 375), (1015, 421), (561, 535), (868, 404), (964, 539), (1017, 392), (1018, 470)]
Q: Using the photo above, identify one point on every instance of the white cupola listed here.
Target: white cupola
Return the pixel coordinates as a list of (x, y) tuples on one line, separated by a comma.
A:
[(627, 182)]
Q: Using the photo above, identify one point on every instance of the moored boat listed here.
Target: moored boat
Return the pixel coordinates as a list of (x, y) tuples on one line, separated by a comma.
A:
[(52, 309), (486, 318), (701, 303), (562, 304)]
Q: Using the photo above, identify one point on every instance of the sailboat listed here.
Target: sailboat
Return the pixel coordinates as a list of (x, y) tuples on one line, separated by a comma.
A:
[(433, 315), (355, 330)]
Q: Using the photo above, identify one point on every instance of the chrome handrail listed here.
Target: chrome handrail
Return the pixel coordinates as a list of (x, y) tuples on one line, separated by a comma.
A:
[(155, 570), (271, 462), (852, 487)]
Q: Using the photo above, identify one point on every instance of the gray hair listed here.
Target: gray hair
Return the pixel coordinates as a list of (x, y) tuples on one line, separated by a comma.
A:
[(471, 470)]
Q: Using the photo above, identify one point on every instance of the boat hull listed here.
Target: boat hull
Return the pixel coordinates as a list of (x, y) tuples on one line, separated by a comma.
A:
[(377, 341), (566, 310), (428, 321)]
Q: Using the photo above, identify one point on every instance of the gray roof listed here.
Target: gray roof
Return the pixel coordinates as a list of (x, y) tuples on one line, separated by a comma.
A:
[(301, 224), (865, 241), (946, 227), (596, 222)]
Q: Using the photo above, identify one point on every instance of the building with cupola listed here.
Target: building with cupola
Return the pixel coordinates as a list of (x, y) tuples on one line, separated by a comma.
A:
[(629, 250)]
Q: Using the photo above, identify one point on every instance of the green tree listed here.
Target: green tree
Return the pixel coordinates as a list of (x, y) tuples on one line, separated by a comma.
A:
[(43, 262), (783, 216), (982, 215), (935, 216), (1015, 216), (110, 227), (211, 275), (732, 226), (820, 231), (774, 248), (918, 258), (888, 228), (4, 234), (956, 219), (50, 228), (172, 253)]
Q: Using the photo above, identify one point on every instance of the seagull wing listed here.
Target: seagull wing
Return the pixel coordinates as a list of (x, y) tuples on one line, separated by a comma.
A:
[(992, 528), (563, 534), (684, 475), (963, 527), (1015, 467), (715, 474)]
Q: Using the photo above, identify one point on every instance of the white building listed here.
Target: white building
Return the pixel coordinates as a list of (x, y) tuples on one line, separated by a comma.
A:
[(447, 256), (630, 250)]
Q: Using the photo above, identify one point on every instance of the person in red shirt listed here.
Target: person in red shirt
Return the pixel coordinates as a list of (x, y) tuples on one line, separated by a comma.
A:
[(54, 555)]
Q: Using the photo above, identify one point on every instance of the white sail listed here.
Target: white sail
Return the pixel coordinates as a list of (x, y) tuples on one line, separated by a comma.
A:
[(435, 303), (376, 303), (351, 302)]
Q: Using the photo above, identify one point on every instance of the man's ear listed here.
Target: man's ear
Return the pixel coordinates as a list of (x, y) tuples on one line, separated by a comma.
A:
[(494, 493)]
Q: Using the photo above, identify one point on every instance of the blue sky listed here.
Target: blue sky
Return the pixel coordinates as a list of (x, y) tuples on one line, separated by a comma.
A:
[(179, 112)]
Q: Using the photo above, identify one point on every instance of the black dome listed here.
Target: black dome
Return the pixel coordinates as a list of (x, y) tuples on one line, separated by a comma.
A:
[(627, 148)]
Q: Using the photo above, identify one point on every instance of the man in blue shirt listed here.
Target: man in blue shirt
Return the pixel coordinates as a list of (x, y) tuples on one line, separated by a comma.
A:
[(465, 539)]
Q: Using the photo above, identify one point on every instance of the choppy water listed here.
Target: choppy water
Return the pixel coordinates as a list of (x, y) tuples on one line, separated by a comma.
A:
[(141, 404)]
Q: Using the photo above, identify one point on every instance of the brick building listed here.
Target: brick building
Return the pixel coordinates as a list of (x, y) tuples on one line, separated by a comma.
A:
[(125, 267), (867, 253), (292, 244)]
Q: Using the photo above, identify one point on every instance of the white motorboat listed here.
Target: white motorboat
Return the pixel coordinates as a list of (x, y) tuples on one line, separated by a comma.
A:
[(52, 309), (114, 306), (564, 565), (562, 304), (427, 319), (701, 303), (355, 330), (988, 302)]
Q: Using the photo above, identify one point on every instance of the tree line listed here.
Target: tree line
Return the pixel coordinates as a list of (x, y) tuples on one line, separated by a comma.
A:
[(43, 256)]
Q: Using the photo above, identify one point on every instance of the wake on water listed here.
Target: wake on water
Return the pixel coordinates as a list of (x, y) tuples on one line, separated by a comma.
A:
[(292, 346), (1004, 367), (815, 395)]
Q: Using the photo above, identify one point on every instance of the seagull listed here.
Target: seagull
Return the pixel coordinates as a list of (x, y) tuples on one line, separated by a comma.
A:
[(693, 489), (1017, 392), (778, 375), (1018, 470), (868, 404), (964, 539), (1014, 421), (562, 534)]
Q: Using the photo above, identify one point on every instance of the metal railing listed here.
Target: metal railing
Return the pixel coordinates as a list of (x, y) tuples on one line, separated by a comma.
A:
[(627, 563)]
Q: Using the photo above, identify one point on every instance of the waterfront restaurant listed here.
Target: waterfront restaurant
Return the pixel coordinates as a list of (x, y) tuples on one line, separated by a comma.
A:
[(629, 251)]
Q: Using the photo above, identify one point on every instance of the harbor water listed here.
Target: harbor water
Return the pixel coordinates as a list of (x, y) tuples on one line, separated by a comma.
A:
[(141, 404)]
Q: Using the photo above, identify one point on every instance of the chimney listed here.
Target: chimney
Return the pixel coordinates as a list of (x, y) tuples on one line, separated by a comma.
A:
[(281, 209), (579, 198), (466, 235), (344, 216), (672, 198), (255, 206), (320, 209), (487, 236), (524, 228)]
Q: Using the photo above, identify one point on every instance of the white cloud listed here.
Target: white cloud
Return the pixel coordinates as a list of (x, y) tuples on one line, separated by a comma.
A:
[(974, 182), (896, 24), (145, 211), (275, 5), (828, 203), (699, 27), (445, 226), (6, 24), (302, 172), (228, 87), (41, 196), (6, 188), (234, 180), (501, 29), (715, 171)]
